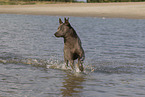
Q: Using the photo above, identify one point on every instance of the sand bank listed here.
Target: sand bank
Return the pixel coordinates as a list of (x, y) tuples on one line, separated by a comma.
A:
[(135, 10)]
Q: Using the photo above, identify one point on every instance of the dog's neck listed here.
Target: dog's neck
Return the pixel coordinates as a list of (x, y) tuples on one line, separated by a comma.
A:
[(70, 36)]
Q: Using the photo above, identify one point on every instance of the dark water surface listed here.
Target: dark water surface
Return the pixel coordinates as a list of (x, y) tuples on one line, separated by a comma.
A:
[(114, 64)]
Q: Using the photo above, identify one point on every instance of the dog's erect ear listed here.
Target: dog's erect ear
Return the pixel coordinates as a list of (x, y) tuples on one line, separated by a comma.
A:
[(60, 21), (66, 20)]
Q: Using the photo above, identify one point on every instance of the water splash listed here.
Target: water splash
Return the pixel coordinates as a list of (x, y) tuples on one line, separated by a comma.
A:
[(49, 64)]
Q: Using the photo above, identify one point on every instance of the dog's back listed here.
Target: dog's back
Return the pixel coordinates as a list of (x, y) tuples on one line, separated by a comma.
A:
[(72, 43)]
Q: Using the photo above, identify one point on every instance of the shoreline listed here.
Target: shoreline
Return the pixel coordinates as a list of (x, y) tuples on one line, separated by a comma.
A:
[(130, 10)]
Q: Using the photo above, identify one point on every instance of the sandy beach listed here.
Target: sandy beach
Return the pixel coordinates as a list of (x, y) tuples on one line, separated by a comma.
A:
[(132, 10)]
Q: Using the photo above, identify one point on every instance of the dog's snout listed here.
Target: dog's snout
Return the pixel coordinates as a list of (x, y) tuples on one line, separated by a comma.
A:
[(55, 34)]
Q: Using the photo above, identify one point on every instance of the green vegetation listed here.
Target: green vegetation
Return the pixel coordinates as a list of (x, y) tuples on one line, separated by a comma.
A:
[(44, 0), (30, 2), (93, 1), (14, 2), (26, 2)]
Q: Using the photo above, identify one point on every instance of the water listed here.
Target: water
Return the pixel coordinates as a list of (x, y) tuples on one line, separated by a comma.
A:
[(114, 64)]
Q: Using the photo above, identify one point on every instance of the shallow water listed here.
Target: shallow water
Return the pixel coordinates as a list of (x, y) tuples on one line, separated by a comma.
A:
[(114, 64)]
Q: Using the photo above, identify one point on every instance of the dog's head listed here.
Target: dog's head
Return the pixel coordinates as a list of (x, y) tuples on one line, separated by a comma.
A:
[(63, 28)]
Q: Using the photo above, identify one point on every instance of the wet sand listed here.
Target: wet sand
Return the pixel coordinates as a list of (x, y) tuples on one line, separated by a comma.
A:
[(132, 10)]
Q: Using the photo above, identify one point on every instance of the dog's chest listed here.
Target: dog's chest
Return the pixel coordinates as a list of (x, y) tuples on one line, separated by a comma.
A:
[(70, 49)]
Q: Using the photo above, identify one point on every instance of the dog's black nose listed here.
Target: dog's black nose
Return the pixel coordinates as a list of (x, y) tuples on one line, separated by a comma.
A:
[(55, 34)]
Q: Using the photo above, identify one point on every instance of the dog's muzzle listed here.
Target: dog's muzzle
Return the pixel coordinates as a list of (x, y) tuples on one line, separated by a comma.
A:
[(56, 34)]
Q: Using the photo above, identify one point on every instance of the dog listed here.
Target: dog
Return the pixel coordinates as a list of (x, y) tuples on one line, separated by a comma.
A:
[(72, 45)]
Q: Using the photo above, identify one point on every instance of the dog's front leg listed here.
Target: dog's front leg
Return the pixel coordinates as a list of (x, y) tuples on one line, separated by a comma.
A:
[(66, 62), (72, 64), (80, 65)]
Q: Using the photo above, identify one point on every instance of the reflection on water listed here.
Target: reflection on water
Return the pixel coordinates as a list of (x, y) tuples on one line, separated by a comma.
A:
[(72, 85)]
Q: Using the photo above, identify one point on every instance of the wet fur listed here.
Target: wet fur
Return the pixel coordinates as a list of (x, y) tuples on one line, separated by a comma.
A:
[(72, 44)]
